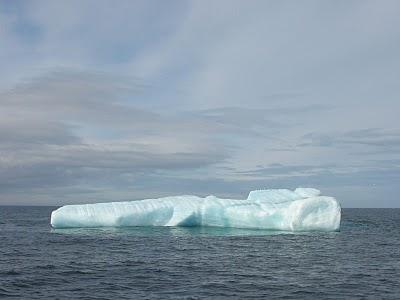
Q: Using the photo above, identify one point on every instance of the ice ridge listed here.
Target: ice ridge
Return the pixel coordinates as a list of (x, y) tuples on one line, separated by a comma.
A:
[(303, 209)]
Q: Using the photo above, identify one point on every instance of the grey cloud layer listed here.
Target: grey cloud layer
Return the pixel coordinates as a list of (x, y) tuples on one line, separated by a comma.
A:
[(57, 128)]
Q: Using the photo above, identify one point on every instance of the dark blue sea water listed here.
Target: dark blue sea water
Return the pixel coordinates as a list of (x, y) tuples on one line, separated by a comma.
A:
[(362, 261)]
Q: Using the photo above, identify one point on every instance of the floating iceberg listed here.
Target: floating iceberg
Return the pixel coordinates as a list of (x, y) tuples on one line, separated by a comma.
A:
[(276, 209)]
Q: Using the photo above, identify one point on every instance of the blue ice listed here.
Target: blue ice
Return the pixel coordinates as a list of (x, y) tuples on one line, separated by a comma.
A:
[(303, 209)]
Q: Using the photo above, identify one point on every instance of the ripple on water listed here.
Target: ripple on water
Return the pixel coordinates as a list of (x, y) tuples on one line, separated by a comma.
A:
[(360, 261)]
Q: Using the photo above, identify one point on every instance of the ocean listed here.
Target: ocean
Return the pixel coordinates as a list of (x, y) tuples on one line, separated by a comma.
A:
[(362, 261)]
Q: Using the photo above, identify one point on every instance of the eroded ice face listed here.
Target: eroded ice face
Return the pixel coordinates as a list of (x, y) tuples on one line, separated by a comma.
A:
[(277, 209)]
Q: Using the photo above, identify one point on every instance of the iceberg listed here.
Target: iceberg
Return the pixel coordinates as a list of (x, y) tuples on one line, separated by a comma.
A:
[(303, 209)]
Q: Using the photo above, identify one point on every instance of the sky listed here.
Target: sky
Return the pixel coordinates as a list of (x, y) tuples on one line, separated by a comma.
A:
[(123, 100)]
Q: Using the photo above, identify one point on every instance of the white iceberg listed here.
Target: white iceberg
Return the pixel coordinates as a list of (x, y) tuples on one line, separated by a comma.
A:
[(276, 209)]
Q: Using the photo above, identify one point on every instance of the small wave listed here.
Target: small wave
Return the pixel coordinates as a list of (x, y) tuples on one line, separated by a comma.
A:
[(11, 272), (7, 293)]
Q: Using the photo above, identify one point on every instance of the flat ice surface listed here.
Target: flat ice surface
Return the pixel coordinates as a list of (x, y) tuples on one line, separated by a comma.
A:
[(277, 209)]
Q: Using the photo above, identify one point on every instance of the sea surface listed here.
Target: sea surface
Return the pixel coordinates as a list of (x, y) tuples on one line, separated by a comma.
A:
[(362, 261)]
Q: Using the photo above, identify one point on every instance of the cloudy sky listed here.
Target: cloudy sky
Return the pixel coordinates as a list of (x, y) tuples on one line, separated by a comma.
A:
[(118, 100)]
